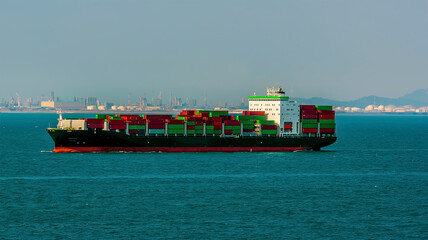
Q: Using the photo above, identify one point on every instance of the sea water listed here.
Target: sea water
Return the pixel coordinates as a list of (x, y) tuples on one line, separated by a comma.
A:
[(371, 184)]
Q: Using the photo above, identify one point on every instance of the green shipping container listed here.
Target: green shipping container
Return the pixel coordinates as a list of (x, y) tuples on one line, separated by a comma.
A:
[(175, 131), (175, 126), (266, 122), (250, 118), (327, 125), (190, 131), (101, 116), (210, 127), (217, 131), (328, 121), (309, 120), (191, 123), (309, 125), (324, 107), (137, 127), (268, 131)]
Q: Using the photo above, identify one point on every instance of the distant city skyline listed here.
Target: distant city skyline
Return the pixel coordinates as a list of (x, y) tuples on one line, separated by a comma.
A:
[(339, 50)]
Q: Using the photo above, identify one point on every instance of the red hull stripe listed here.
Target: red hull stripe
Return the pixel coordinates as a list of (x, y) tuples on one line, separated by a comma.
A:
[(179, 149)]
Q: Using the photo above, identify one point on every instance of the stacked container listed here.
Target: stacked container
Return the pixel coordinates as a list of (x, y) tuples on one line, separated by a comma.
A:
[(326, 117), (94, 123), (232, 127), (117, 124), (249, 118), (309, 118), (175, 127), (267, 127), (136, 124), (213, 125), (156, 123)]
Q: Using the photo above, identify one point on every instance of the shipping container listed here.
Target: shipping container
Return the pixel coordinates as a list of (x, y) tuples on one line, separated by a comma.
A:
[(308, 107), (326, 112), (327, 130), (232, 123), (324, 107), (309, 125), (269, 127), (314, 116), (253, 113), (270, 132), (309, 130), (150, 117), (137, 127), (156, 131), (156, 126), (326, 116), (117, 126), (331, 121), (117, 122), (305, 120)]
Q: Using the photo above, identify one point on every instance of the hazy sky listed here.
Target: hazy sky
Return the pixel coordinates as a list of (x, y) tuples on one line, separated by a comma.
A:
[(337, 49)]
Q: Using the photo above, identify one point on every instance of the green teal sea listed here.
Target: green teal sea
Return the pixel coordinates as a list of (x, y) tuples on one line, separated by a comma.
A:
[(371, 184)]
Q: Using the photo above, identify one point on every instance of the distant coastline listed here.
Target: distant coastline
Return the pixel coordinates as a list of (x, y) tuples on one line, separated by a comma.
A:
[(176, 112)]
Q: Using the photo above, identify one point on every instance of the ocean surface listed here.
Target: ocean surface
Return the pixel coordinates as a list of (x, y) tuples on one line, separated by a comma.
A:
[(371, 184)]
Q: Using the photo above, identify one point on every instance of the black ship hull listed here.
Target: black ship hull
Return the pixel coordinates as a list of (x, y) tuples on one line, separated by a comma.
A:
[(108, 141)]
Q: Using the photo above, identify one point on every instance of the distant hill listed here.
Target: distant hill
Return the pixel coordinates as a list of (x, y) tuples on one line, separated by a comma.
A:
[(417, 98)]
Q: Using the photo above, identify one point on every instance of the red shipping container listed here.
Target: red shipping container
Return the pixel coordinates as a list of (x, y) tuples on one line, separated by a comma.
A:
[(190, 127), (215, 119), (327, 130), (156, 121), (308, 107), (199, 122), (287, 126), (137, 122), (133, 131), (93, 120), (269, 127), (217, 123), (188, 112), (228, 132), (204, 114), (249, 130), (192, 118), (309, 116), (118, 122), (309, 130), (326, 112), (232, 123), (308, 112), (150, 117), (129, 117), (326, 116), (172, 121), (156, 126), (217, 127), (253, 113), (117, 126), (94, 125)]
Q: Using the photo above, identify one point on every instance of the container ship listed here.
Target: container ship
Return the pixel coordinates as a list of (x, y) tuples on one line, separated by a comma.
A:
[(272, 123)]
